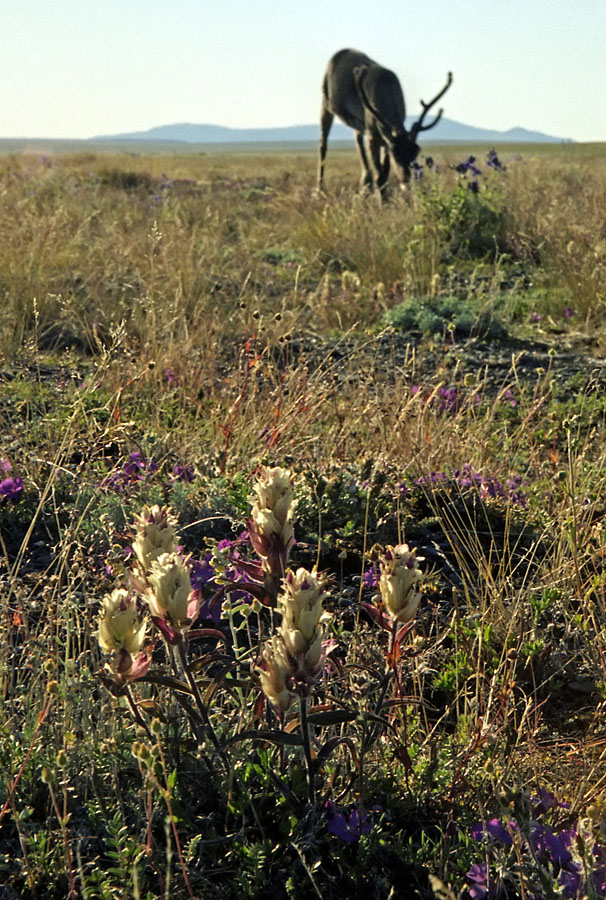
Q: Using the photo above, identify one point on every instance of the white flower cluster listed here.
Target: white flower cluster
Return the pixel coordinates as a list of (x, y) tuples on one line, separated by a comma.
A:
[(292, 660), (399, 576)]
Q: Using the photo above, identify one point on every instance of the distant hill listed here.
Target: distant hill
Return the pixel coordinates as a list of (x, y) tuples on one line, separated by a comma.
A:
[(447, 130)]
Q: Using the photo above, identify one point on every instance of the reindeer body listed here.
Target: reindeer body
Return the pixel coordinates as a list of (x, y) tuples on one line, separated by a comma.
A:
[(369, 99)]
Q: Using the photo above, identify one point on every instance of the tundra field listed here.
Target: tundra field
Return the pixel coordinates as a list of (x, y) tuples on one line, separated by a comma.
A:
[(308, 384)]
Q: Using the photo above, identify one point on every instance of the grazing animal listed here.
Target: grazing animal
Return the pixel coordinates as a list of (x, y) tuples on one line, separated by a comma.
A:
[(369, 99)]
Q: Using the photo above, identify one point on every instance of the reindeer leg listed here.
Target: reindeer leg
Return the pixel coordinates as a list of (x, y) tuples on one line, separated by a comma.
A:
[(325, 126), (380, 159), (366, 180), (385, 166)]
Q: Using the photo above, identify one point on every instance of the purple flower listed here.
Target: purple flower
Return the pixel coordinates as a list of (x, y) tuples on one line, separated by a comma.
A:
[(478, 874), (432, 478), (544, 841), (183, 473), (545, 800), (493, 161), (468, 166), (136, 469), (401, 489), (417, 170), (5, 465), (202, 573), (535, 317), (495, 829), (348, 829), (370, 578), (570, 879), (599, 880), (449, 399), (568, 312), (11, 489), (474, 186)]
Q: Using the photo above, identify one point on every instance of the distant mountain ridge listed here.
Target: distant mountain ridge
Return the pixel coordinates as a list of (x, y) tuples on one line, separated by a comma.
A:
[(447, 130)]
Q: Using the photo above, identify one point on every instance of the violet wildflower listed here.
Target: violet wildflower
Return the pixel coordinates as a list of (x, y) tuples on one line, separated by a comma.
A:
[(347, 828), (136, 469), (449, 399), (370, 577), (417, 170), (546, 801), (493, 161), (480, 882), (11, 489), (568, 312), (183, 473), (468, 167), (203, 573), (495, 829), (535, 317)]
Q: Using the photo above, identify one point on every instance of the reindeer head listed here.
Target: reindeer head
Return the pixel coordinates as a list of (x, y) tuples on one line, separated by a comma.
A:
[(401, 144), (403, 150)]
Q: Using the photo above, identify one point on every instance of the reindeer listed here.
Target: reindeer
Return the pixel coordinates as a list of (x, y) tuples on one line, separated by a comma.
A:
[(369, 99)]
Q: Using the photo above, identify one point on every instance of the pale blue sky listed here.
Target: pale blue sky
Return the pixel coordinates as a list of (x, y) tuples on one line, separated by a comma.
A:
[(76, 68)]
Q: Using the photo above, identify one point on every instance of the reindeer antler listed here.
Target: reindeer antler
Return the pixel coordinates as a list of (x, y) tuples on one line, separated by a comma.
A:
[(418, 125)]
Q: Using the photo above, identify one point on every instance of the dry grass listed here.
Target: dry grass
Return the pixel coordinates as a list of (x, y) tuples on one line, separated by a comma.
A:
[(209, 312)]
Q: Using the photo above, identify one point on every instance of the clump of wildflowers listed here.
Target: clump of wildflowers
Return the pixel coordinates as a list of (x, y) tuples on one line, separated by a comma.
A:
[(136, 469), (398, 580), (292, 660), (270, 527), (567, 862), (468, 166)]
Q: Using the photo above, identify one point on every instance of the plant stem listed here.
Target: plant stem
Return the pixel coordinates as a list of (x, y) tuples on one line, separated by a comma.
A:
[(307, 749), (202, 708)]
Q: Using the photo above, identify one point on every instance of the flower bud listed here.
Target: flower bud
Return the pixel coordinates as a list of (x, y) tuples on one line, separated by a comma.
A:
[(170, 588), (274, 492), (397, 582), (270, 528), (155, 534), (119, 625), (301, 608), (274, 669)]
